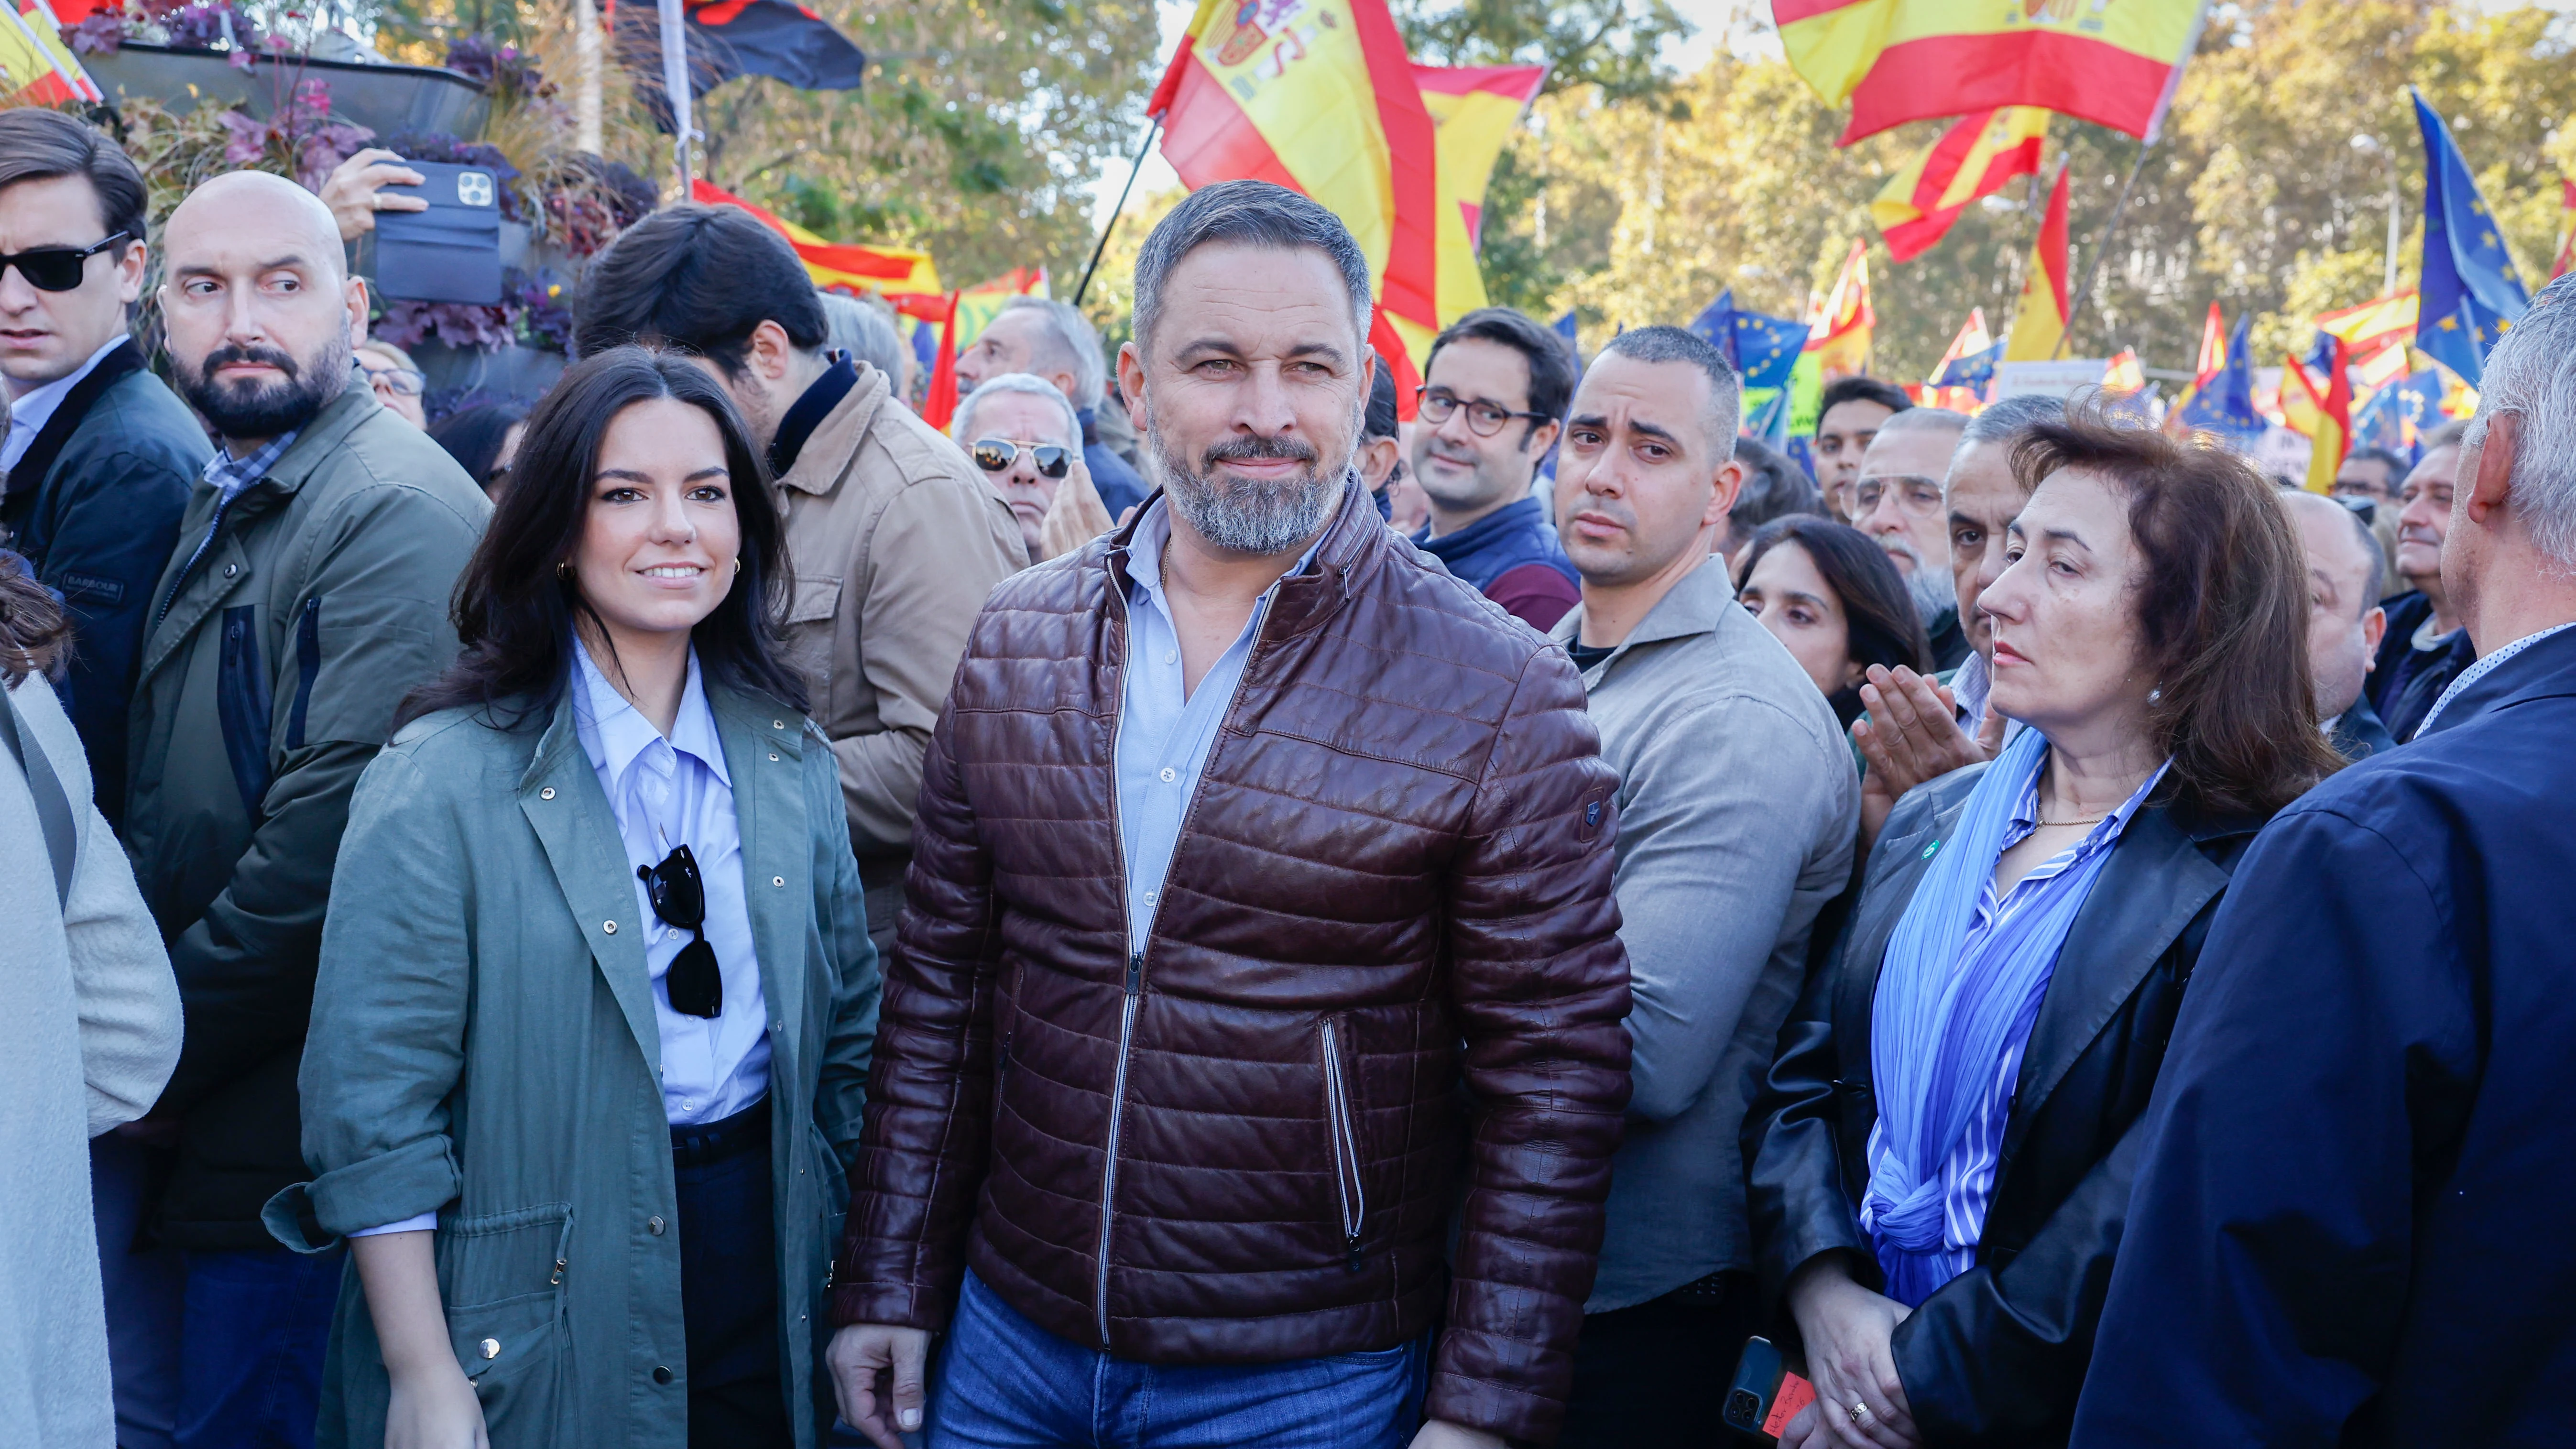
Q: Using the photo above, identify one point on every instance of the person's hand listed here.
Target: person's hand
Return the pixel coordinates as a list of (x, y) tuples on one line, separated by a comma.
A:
[(1075, 517), (1441, 1434), (877, 1373), (1806, 1429), (434, 1408), (355, 190), (1848, 1331), (1912, 735)]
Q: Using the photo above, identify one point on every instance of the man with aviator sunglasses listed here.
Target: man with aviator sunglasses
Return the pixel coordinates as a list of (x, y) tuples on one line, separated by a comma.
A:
[(99, 455), (1026, 439)]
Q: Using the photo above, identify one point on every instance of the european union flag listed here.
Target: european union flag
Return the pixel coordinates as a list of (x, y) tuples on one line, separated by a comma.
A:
[(1764, 349), (1565, 329), (2321, 353), (2419, 405), (2381, 423), (2226, 405), (1976, 370), (2471, 293)]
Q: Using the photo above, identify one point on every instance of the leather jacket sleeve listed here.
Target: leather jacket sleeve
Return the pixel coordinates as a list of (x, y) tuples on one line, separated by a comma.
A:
[(1797, 1199), (1539, 982), (923, 1149)]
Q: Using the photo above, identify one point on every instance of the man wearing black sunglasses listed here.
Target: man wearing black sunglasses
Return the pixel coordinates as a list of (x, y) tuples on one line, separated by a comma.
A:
[(99, 455)]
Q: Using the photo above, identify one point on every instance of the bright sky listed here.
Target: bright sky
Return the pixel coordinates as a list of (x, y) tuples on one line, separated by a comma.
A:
[(1709, 16)]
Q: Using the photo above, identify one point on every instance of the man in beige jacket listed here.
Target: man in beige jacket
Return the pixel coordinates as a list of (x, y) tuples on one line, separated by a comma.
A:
[(893, 538)]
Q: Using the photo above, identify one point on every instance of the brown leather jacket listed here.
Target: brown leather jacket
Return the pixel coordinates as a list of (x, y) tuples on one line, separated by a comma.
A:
[(1248, 1143)]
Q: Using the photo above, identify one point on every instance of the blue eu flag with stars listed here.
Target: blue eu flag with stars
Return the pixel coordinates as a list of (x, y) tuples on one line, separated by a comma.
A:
[(1764, 349), (2471, 292), (2225, 405)]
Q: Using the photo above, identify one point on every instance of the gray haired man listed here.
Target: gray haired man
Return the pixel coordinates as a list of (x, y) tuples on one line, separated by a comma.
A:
[(1055, 341), (1022, 433), (1249, 837)]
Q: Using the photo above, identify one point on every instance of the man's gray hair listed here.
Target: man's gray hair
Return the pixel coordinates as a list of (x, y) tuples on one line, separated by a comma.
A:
[(1023, 382), (1925, 420), (1671, 344), (1071, 344), (2004, 420), (862, 331), (1246, 213), (2532, 374)]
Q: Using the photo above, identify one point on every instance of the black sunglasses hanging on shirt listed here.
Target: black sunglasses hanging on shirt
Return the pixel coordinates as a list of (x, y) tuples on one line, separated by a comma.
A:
[(679, 897)]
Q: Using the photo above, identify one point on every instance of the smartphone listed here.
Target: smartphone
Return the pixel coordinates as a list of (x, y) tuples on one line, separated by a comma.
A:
[(1765, 1395), (451, 252)]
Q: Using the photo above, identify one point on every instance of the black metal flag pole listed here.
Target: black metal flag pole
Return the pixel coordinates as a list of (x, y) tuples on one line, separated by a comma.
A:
[(1106, 227)]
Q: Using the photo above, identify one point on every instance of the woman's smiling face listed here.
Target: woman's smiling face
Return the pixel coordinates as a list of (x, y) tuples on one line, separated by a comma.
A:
[(659, 538)]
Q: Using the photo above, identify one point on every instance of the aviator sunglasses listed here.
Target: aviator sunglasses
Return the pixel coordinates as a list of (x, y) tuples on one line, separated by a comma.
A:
[(56, 269), (679, 897), (995, 454)]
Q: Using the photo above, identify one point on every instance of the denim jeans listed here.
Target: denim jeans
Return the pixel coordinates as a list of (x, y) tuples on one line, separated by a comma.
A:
[(256, 1324), (1005, 1383)]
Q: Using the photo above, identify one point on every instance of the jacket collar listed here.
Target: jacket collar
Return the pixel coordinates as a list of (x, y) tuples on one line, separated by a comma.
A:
[(1695, 604), (1300, 601), (2540, 670), (824, 458), (320, 438), (81, 392), (808, 411)]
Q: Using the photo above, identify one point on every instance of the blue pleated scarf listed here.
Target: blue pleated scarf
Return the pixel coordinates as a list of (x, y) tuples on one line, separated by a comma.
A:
[(1939, 1025)]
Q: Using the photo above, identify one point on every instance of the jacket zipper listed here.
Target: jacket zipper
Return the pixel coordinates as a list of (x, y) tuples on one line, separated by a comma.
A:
[(214, 526), (1350, 1192), (1117, 1114)]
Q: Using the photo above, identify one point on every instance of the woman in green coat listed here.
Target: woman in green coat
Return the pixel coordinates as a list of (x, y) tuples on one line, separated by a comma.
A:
[(596, 997)]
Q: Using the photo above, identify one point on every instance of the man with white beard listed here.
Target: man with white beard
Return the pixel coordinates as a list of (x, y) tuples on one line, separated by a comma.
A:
[(1897, 502)]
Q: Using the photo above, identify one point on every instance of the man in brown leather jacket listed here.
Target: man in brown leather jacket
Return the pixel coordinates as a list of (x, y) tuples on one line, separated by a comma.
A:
[(1247, 836)]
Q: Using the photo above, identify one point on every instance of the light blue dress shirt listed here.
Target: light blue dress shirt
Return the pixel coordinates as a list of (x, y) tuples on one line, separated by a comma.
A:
[(1163, 736), (668, 792)]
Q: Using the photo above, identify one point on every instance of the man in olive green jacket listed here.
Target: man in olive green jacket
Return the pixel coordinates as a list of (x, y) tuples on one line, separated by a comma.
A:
[(307, 595)]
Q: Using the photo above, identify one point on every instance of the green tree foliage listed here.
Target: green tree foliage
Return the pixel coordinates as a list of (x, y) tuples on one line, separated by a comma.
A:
[(2269, 190)]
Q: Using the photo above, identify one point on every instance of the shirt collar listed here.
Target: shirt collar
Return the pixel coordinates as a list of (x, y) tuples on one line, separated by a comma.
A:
[(230, 475), (614, 732), (2481, 670), (30, 413)]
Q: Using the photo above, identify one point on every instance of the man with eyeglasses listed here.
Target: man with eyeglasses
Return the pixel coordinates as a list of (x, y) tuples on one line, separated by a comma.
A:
[(100, 455), (1492, 402), (1023, 433), (1896, 500)]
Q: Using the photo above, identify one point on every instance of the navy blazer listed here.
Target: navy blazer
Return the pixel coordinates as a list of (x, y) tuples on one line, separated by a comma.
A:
[(2351, 1224)]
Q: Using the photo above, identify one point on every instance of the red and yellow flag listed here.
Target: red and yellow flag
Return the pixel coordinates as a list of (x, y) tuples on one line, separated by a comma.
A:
[(2039, 324), (1321, 99), (901, 275), (2213, 348), (35, 66), (1838, 333), (1474, 110), (1973, 158), (2375, 323), (2111, 62), (2566, 231), (2324, 415)]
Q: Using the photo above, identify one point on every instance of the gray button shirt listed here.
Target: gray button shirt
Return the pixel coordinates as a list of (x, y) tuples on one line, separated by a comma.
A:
[(1164, 734)]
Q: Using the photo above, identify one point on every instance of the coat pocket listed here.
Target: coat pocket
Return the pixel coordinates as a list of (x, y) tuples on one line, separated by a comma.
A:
[(502, 1276), (242, 705), (812, 607), (1341, 1128), (308, 664)]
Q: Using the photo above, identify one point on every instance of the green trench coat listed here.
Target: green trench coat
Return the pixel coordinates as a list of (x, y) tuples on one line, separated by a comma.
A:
[(483, 1044)]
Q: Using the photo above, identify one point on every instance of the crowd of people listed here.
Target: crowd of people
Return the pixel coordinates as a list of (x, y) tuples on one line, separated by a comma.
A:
[(1191, 909)]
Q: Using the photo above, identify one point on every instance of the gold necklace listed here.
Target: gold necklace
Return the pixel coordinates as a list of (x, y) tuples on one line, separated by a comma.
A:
[(2061, 824)]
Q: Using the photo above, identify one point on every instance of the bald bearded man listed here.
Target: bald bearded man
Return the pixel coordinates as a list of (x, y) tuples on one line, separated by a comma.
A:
[(308, 593)]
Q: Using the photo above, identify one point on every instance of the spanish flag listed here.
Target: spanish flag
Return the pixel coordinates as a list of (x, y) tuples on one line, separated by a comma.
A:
[(2566, 232), (36, 68), (1321, 100), (1838, 334), (901, 275), (1973, 158), (2111, 62), (1474, 110), (2375, 323), (2326, 417), (2040, 322)]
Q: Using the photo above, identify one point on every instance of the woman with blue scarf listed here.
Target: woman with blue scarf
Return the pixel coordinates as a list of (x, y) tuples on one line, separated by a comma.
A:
[(1940, 1163)]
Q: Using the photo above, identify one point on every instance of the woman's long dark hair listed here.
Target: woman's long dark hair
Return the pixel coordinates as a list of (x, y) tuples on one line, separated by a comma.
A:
[(2221, 609), (1878, 614), (514, 609)]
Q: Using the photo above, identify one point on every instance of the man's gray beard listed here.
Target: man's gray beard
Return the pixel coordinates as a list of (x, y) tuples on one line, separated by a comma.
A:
[(1932, 591), (1244, 516)]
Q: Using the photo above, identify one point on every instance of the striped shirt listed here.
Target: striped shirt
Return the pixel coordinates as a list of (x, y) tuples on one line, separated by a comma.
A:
[(1968, 1173)]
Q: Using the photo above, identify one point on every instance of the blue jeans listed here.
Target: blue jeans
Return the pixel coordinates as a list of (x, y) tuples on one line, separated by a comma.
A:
[(1005, 1383), (256, 1324)]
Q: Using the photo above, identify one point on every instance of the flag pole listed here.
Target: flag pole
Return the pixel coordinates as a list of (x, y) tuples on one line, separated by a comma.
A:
[(1152, 129), (585, 96), (2101, 246), (675, 86)]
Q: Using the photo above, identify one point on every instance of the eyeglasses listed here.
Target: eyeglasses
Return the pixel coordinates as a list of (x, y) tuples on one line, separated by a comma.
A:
[(1918, 496), (679, 897), (398, 381), (995, 454), (57, 269), (1484, 419)]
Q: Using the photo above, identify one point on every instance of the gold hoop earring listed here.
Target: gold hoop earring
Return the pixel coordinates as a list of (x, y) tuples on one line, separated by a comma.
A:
[(737, 565), (563, 570)]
